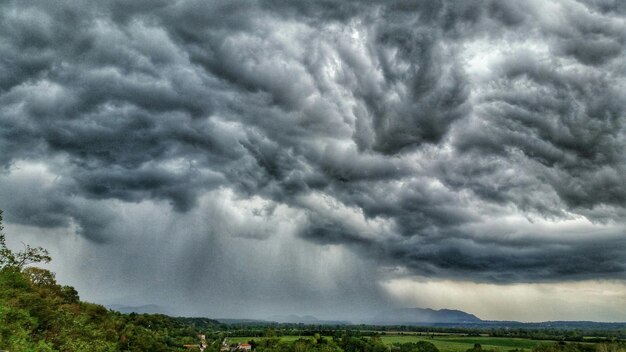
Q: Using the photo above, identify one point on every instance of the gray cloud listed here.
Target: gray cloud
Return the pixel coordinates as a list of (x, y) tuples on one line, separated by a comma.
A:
[(419, 135)]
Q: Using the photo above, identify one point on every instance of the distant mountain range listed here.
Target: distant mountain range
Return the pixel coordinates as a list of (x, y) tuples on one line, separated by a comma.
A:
[(403, 316), (457, 318), (292, 318), (419, 316), (304, 319), (284, 319)]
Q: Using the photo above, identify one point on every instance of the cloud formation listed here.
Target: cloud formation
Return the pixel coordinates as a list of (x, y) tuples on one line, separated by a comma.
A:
[(481, 140)]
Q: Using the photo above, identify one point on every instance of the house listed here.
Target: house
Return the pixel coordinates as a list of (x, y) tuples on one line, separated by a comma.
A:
[(244, 347), (201, 346)]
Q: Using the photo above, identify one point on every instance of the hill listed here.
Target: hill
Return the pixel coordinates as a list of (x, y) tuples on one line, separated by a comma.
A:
[(417, 316), (304, 319), (37, 314)]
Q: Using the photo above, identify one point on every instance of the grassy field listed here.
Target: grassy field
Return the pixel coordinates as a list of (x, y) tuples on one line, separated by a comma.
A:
[(246, 339), (445, 343), (461, 344)]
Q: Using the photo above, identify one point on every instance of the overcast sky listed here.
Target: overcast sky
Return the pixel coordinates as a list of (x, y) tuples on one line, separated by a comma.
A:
[(335, 158)]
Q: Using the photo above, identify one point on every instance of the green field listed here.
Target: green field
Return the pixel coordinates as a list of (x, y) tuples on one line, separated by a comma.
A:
[(283, 338), (462, 343), (445, 343)]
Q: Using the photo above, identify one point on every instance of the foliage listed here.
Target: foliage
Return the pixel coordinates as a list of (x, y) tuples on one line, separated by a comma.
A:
[(29, 255), (39, 315), (419, 346)]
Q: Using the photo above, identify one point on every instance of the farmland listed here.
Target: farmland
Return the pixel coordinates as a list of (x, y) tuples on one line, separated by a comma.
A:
[(445, 343), (456, 343)]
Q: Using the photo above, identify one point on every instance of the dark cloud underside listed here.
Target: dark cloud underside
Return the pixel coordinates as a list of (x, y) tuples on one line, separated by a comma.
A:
[(450, 139)]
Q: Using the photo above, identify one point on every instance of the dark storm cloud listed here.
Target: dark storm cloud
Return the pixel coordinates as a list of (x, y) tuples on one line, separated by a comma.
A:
[(590, 38), (569, 124), (365, 117), (536, 261)]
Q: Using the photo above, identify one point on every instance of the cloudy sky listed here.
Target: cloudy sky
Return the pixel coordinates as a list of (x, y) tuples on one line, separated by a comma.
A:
[(336, 158)]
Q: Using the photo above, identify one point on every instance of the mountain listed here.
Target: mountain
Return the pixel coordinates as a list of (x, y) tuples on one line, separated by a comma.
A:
[(242, 321), (292, 318), (304, 319), (415, 316)]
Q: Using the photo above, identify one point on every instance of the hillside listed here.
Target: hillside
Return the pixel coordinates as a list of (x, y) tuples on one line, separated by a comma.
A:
[(38, 314)]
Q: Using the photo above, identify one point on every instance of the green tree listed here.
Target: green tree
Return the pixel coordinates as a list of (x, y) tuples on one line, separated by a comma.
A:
[(29, 255), (419, 346)]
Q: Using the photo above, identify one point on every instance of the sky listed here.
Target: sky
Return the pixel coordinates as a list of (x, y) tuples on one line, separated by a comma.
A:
[(336, 158)]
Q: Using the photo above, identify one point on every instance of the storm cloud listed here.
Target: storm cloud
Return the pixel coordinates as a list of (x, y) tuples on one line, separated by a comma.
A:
[(482, 140)]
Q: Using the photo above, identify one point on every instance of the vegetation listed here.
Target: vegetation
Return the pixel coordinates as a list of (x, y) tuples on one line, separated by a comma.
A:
[(570, 331), (39, 315), (348, 342), (338, 343)]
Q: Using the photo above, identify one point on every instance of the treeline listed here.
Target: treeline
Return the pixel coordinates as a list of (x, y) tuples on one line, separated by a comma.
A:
[(341, 343), (615, 346), (553, 347), (575, 335), (350, 343)]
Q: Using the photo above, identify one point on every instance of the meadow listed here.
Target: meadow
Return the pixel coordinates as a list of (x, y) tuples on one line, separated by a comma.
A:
[(463, 343)]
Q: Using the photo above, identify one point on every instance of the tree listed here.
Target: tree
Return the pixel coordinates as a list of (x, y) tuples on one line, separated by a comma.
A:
[(419, 346), (40, 277), (30, 255)]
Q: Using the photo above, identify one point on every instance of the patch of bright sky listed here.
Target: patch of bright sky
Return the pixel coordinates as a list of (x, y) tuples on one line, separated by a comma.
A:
[(594, 300)]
